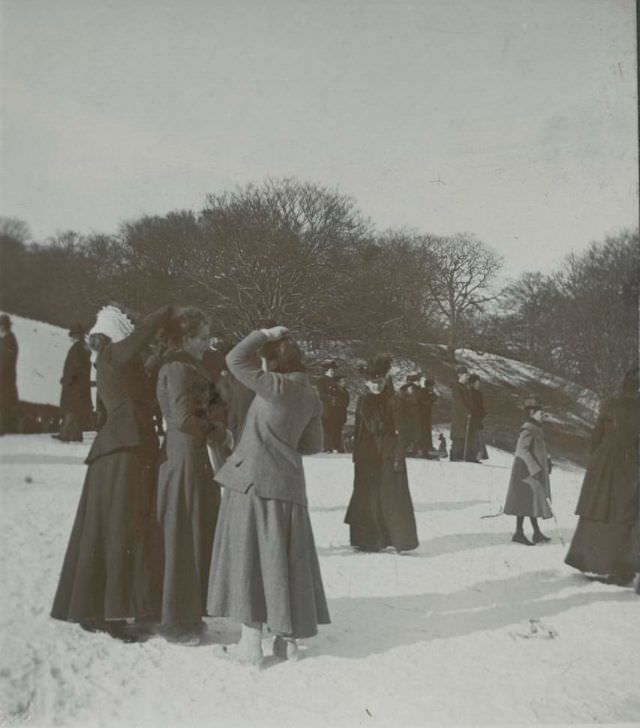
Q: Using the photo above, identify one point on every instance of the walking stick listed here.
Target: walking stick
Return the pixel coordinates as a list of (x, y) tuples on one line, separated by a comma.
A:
[(555, 520)]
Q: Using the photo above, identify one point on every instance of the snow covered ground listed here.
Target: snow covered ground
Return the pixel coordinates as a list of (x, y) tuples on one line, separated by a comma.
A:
[(439, 636)]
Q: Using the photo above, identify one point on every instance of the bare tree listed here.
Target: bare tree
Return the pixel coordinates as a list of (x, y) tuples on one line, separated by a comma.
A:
[(463, 270)]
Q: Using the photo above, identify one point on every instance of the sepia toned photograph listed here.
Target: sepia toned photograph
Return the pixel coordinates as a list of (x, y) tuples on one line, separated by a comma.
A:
[(319, 363)]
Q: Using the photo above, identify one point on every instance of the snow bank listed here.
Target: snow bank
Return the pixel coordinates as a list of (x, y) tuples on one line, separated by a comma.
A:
[(42, 351), (439, 636)]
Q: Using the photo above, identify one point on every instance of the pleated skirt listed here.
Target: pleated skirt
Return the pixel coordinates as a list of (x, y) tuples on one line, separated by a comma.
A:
[(265, 566)]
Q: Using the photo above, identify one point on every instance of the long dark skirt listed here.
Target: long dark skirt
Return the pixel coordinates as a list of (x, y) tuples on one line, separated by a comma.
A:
[(112, 566), (188, 499), (265, 566), (604, 548), (380, 513)]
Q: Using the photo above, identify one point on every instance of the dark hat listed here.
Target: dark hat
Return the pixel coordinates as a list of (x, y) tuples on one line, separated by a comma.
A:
[(377, 367), (473, 378), (77, 330), (461, 370), (5, 321), (329, 364), (413, 377)]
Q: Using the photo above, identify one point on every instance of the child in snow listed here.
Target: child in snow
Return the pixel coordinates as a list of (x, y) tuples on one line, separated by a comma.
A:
[(529, 493)]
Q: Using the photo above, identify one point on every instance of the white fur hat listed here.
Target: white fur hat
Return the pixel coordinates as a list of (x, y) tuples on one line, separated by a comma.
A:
[(112, 322)]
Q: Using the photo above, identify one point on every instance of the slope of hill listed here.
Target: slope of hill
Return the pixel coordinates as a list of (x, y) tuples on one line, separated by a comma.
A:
[(42, 349)]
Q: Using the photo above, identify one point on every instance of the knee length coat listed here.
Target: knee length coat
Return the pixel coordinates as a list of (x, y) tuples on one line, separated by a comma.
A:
[(529, 486)]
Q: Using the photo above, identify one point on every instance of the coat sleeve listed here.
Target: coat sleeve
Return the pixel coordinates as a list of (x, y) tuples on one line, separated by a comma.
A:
[(524, 450), (243, 363), (177, 384), (124, 351), (312, 438)]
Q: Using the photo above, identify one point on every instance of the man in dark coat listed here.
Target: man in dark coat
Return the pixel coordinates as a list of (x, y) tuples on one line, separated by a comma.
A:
[(75, 400), (427, 400), (460, 414), (477, 414), (8, 375), (332, 399)]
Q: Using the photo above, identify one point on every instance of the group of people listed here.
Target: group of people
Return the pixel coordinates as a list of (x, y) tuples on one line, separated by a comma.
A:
[(153, 546)]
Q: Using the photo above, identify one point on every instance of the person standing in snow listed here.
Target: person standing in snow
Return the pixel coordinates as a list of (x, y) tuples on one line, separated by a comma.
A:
[(265, 568), (603, 543), (75, 399), (529, 493), (111, 570), (332, 398), (428, 399), (188, 497), (8, 376), (477, 413), (460, 414), (380, 512)]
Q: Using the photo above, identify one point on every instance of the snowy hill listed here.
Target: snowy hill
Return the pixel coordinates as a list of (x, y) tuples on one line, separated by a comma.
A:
[(571, 409), (42, 351), (469, 629)]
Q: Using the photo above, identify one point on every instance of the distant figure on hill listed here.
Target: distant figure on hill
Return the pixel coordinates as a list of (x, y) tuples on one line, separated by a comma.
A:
[(75, 399), (609, 502), (442, 446), (460, 414), (529, 493), (8, 377)]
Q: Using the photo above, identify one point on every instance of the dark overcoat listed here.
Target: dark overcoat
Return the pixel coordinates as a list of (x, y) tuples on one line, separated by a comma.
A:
[(380, 511), (610, 487), (460, 410), (8, 370), (75, 397)]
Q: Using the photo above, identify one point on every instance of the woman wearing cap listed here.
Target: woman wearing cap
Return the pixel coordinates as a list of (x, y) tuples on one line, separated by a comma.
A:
[(265, 568), (111, 570), (188, 497), (529, 494), (609, 503), (380, 513)]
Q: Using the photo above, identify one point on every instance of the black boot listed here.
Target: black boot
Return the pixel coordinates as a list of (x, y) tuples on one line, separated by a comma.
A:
[(539, 537), (519, 537)]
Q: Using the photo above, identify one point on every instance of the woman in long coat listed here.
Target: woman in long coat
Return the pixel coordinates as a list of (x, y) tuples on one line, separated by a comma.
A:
[(8, 377), (529, 493), (75, 398), (111, 570), (608, 506), (188, 497), (380, 513), (265, 567)]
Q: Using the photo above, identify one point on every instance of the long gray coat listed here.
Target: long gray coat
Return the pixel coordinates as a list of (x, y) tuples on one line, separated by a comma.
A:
[(283, 422), (529, 486)]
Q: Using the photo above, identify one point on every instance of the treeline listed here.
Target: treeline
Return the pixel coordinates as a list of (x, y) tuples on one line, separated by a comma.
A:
[(304, 254)]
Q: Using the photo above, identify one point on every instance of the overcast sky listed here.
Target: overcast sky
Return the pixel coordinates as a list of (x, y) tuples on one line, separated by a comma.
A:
[(512, 119)]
